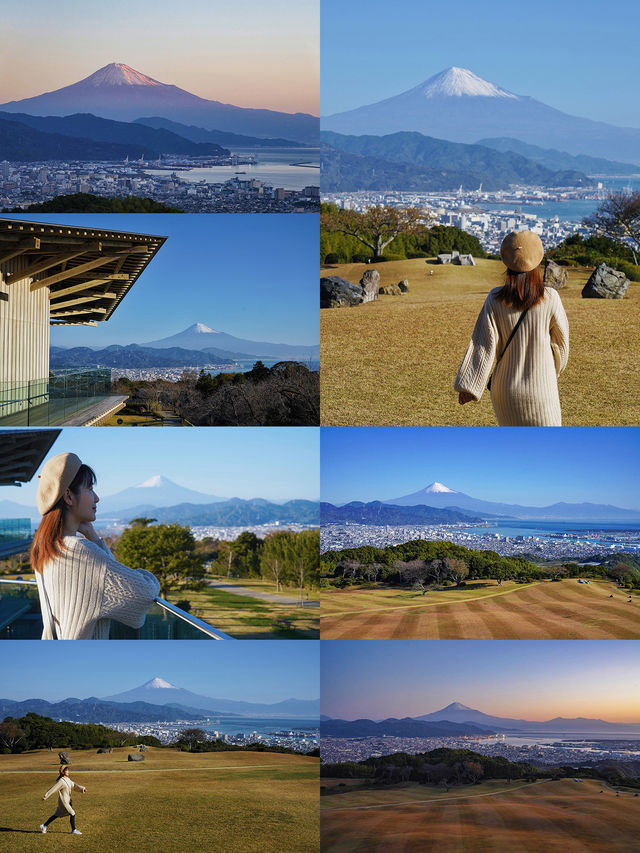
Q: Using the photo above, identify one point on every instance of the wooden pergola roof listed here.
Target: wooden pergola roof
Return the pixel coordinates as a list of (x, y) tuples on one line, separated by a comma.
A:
[(88, 271), (22, 451)]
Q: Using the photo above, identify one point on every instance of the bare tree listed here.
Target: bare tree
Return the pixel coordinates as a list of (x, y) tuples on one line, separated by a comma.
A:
[(10, 734), (378, 226), (618, 217)]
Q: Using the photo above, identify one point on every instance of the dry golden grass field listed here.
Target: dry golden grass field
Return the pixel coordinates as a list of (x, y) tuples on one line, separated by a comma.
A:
[(541, 817), (174, 802), (393, 361), (483, 611)]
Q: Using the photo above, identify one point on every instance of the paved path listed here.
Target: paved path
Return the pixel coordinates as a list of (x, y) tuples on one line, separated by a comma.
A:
[(170, 418), (265, 596)]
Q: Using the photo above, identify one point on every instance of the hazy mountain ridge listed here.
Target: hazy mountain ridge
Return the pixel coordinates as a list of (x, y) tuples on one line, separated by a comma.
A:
[(376, 512), (554, 159), (218, 137), (392, 727), (133, 355)]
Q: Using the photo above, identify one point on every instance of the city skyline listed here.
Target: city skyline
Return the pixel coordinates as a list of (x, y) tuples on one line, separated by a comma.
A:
[(419, 40), (523, 679), (211, 51), (493, 463), (252, 671), (211, 270), (277, 464)]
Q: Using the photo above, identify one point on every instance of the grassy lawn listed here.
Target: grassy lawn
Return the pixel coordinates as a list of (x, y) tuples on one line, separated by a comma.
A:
[(250, 618), (133, 420), (483, 611), (173, 802), (555, 817), (393, 361)]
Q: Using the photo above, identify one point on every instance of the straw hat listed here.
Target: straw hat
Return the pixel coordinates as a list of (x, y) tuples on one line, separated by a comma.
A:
[(522, 251), (54, 480)]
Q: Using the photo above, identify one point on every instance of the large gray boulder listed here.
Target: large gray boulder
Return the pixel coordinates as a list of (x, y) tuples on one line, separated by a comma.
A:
[(135, 756), (390, 290), (336, 292), (103, 751), (404, 285), (605, 283), (64, 758), (370, 284), (554, 275)]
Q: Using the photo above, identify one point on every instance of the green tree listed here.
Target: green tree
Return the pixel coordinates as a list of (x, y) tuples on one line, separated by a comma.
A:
[(167, 550), (618, 217), (306, 558), (377, 227), (276, 556)]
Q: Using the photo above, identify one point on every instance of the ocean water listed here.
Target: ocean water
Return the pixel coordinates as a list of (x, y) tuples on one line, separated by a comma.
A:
[(262, 725), (274, 167), (575, 738), (547, 529)]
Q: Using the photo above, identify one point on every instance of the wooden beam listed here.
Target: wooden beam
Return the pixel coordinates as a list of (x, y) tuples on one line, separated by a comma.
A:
[(75, 323), (81, 299), (134, 250), (94, 310), (52, 261), (74, 288), (20, 248), (72, 272)]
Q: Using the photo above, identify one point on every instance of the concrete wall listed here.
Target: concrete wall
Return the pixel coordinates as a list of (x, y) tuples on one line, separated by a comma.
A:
[(24, 333)]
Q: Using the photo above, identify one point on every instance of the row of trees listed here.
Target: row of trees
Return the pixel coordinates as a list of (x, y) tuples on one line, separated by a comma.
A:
[(89, 203), (196, 740), (421, 563), (287, 394), (594, 250), (387, 233), (33, 731)]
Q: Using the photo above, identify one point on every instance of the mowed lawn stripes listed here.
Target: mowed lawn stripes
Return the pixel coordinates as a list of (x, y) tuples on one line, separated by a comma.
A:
[(554, 817), (551, 611)]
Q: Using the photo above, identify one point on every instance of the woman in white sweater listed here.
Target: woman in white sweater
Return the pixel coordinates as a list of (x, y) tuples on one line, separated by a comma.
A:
[(524, 385), (63, 788), (81, 584)]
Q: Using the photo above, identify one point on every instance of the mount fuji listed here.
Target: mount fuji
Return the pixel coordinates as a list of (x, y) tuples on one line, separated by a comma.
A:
[(441, 496), (157, 691), (157, 491), (457, 105), (202, 337), (118, 91)]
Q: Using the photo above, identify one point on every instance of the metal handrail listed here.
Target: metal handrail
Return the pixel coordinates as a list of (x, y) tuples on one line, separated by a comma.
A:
[(204, 627)]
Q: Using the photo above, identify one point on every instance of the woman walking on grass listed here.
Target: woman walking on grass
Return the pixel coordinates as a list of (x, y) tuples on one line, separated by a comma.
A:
[(523, 325), (80, 583), (63, 787)]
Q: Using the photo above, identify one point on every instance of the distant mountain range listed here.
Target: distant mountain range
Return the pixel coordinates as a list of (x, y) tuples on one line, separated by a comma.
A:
[(204, 338), (127, 139), (158, 691), (219, 137), (458, 714), (438, 495), (457, 105), (156, 700), (428, 163), (376, 512), (119, 92), (156, 491), (232, 513), (393, 727), (553, 159), (134, 355)]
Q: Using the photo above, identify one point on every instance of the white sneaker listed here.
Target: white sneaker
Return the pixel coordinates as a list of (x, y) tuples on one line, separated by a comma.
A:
[(75, 832), (43, 828)]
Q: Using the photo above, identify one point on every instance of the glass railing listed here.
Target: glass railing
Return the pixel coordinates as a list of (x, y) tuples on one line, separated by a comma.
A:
[(21, 619), (15, 536), (47, 402)]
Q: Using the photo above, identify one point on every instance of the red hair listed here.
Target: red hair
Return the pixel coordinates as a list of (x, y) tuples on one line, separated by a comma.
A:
[(522, 289), (47, 541)]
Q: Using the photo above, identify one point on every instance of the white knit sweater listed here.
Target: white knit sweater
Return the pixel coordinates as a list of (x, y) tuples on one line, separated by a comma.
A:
[(524, 388), (86, 587)]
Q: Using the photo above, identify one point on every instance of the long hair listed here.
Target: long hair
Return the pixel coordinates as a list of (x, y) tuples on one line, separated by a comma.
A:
[(47, 541), (522, 289), (61, 771)]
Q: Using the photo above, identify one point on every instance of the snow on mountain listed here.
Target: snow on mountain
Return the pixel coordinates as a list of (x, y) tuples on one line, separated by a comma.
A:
[(459, 106), (160, 683), (456, 82), (156, 491), (118, 74), (199, 337), (439, 487)]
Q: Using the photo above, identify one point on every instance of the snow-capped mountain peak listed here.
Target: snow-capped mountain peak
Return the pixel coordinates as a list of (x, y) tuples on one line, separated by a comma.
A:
[(456, 82), (159, 683), (439, 488), (202, 329), (119, 74), (457, 706), (155, 482)]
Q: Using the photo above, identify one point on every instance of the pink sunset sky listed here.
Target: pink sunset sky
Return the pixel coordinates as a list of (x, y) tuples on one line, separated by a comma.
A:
[(246, 53)]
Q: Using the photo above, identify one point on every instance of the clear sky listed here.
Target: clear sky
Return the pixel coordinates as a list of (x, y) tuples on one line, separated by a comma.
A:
[(532, 680), (533, 466), (252, 671), (580, 57), (249, 275), (247, 53), (278, 463)]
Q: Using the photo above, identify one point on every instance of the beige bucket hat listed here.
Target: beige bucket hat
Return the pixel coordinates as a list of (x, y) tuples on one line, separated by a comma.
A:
[(522, 251), (55, 478)]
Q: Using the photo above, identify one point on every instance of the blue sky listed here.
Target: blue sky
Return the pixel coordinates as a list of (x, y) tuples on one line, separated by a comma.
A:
[(534, 680), (581, 58), (533, 466), (249, 275), (277, 463), (252, 671)]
